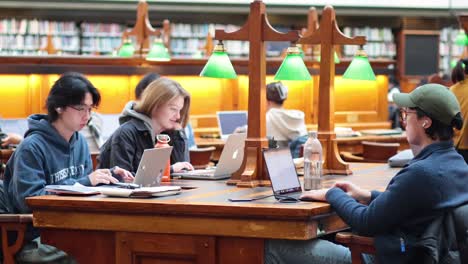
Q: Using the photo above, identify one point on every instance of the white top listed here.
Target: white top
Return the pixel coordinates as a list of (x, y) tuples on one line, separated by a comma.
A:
[(285, 125)]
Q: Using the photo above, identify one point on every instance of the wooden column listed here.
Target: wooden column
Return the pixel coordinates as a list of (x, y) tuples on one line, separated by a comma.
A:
[(256, 30), (328, 35)]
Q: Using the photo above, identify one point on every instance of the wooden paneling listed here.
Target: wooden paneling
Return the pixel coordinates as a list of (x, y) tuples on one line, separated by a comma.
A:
[(25, 93), (149, 248), (240, 250), (84, 245), (14, 87)]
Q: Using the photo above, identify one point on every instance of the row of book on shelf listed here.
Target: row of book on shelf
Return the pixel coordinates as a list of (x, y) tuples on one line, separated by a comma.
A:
[(29, 36)]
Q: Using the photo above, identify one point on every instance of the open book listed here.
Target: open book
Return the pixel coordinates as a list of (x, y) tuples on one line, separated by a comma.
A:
[(79, 189), (76, 189), (142, 192)]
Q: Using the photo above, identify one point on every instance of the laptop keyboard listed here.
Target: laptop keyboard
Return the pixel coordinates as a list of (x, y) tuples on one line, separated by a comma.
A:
[(201, 172)]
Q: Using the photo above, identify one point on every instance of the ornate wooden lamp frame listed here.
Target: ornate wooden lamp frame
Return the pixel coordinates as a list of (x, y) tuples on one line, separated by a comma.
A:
[(327, 35), (256, 30)]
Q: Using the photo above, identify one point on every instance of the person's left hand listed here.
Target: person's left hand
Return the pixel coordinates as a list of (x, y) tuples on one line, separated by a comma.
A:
[(124, 174), (12, 138), (318, 195), (179, 166)]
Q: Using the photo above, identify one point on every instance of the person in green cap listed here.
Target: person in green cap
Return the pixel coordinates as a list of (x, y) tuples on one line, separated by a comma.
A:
[(435, 180)]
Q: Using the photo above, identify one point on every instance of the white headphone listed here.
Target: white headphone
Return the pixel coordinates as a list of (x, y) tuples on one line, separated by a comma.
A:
[(424, 124), (282, 91)]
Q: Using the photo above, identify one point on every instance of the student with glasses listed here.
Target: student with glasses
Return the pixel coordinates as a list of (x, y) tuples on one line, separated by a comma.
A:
[(53, 152), (434, 181)]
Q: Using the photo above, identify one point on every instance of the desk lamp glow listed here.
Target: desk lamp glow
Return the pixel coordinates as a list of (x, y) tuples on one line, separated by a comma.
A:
[(219, 65), (158, 51), (461, 38), (127, 49)]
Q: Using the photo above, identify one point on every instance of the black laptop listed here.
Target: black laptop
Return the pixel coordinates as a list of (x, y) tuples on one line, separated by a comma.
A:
[(283, 175)]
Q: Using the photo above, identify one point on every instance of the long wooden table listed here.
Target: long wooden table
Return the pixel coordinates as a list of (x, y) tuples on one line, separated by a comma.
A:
[(198, 226), (350, 144)]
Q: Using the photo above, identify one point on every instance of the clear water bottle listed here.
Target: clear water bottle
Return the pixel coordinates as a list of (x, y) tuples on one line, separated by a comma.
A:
[(312, 163)]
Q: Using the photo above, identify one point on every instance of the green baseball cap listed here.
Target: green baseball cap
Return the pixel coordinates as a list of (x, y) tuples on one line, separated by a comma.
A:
[(434, 99)]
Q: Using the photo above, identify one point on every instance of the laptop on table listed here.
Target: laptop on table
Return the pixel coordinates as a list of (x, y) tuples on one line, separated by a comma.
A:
[(228, 121), (229, 162), (151, 167), (283, 175)]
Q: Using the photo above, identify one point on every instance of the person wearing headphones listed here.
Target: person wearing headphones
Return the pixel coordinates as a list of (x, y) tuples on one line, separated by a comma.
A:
[(284, 125), (434, 181)]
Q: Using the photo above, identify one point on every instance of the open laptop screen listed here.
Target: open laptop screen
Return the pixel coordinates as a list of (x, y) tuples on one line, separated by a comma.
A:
[(228, 121), (280, 167)]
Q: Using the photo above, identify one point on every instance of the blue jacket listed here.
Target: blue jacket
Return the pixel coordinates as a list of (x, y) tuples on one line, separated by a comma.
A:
[(433, 181), (44, 157)]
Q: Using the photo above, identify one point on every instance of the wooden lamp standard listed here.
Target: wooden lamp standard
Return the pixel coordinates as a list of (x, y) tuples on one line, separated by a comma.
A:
[(257, 30), (328, 35)]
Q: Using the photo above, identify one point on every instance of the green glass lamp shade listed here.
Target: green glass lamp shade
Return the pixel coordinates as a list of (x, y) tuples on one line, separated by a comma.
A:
[(219, 65), (461, 38), (336, 58), (360, 68), (158, 52), (126, 50), (293, 67), (453, 63)]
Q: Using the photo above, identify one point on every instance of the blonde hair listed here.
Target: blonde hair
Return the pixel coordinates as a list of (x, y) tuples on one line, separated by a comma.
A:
[(161, 91)]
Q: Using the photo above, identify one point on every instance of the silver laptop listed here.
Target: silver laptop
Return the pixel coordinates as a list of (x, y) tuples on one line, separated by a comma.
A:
[(151, 167), (228, 121), (229, 162), (283, 175)]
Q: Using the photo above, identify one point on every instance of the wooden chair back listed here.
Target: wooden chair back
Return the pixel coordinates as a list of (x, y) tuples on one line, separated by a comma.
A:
[(200, 157), (5, 155), (378, 152), (13, 223)]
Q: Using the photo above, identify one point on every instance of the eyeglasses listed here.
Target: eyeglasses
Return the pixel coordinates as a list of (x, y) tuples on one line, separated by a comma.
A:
[(404, 113), (82, 109)]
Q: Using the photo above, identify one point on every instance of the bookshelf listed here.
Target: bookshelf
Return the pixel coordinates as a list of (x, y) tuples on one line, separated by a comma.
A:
[(100, 38), (28, 37), (189, 40), (380, 42), (448, 50)]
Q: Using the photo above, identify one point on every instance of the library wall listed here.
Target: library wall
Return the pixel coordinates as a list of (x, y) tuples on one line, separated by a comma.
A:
[(357, 102)]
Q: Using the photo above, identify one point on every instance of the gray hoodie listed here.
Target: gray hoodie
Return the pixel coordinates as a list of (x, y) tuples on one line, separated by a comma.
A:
[(128, 113)]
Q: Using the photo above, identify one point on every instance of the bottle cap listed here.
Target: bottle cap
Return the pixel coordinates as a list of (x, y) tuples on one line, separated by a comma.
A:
[(163, 138), (313, 134)]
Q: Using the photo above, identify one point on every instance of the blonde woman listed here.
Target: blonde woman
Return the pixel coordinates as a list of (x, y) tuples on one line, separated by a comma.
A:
[(164, 107)]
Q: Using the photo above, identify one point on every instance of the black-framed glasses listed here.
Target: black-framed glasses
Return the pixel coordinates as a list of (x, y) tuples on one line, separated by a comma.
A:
[(82, 109), (404, 113)]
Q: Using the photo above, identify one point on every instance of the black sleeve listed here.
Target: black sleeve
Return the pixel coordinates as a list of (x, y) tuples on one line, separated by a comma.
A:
[(179, 142), (123, 150)]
